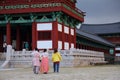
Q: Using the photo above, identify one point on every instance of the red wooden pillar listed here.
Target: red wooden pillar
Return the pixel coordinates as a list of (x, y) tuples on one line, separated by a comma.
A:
[(8, 31), (18, 38), (70, 37), (55, 35), (74, 38), (34, 45), (63, 36), (1, 40)]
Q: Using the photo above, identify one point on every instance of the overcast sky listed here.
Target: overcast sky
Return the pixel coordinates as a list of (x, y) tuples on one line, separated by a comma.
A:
[(100, 11)]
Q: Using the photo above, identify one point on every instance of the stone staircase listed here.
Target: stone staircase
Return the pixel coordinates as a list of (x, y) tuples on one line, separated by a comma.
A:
[(71, 58), (1, 62)]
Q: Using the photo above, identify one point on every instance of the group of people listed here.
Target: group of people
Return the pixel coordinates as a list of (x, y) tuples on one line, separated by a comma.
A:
[(41, 61)]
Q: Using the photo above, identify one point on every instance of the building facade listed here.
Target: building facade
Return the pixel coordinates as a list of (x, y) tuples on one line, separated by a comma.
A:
[(110, 32), (39, 23)]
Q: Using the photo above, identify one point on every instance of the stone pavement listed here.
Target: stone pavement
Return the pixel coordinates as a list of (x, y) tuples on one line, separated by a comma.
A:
[(106, 72)]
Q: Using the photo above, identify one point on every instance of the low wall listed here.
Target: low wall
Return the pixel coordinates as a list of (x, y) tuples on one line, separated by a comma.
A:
[(71, 58), (117, 59)]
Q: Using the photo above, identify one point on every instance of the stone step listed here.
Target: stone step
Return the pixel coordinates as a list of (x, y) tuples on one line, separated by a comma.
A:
[(1, 62)]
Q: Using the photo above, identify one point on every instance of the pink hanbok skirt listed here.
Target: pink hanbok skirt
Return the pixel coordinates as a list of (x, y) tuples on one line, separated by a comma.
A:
[(44, 66)]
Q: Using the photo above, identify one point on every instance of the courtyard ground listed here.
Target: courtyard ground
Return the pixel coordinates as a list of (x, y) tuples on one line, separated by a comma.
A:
[(104, 72)]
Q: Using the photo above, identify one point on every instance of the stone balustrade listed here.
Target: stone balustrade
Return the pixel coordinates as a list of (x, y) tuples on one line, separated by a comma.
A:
[(71, 58), (2, 58)]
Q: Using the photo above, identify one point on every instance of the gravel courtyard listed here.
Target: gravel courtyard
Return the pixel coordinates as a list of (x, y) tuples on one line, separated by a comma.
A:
[(106, 72)]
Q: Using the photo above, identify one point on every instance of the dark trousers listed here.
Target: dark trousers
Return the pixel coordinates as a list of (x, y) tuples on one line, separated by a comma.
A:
[(56, 66), (5, 49)]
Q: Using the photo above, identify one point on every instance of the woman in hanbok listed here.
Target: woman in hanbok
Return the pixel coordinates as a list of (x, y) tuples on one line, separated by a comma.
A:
[(35, 61), (44, 66)]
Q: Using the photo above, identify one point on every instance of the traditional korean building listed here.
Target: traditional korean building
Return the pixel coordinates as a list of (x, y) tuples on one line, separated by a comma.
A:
[(92, 42), (47, 24), (110, 32), (39, 23)]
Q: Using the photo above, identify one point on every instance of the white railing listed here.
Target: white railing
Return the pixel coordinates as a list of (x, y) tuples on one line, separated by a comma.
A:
[(71, 58)]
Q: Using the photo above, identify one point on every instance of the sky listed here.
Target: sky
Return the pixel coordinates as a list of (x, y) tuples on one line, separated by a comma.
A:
[(100, 11)]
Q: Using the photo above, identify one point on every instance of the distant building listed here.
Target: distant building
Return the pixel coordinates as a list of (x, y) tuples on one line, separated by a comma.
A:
[(110, 32)]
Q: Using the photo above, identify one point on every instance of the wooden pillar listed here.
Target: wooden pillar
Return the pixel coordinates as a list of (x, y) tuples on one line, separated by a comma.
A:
[(70, 37), (74, 38), (63, 36), (8, 31), (55, 35), (18, 38), (34, 45)]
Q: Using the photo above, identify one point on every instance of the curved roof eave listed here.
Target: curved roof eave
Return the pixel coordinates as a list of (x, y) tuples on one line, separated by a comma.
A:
[(94, 37)]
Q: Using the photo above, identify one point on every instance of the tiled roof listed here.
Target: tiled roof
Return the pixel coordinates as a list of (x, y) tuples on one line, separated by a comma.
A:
[(93, 37), (110, 28)]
